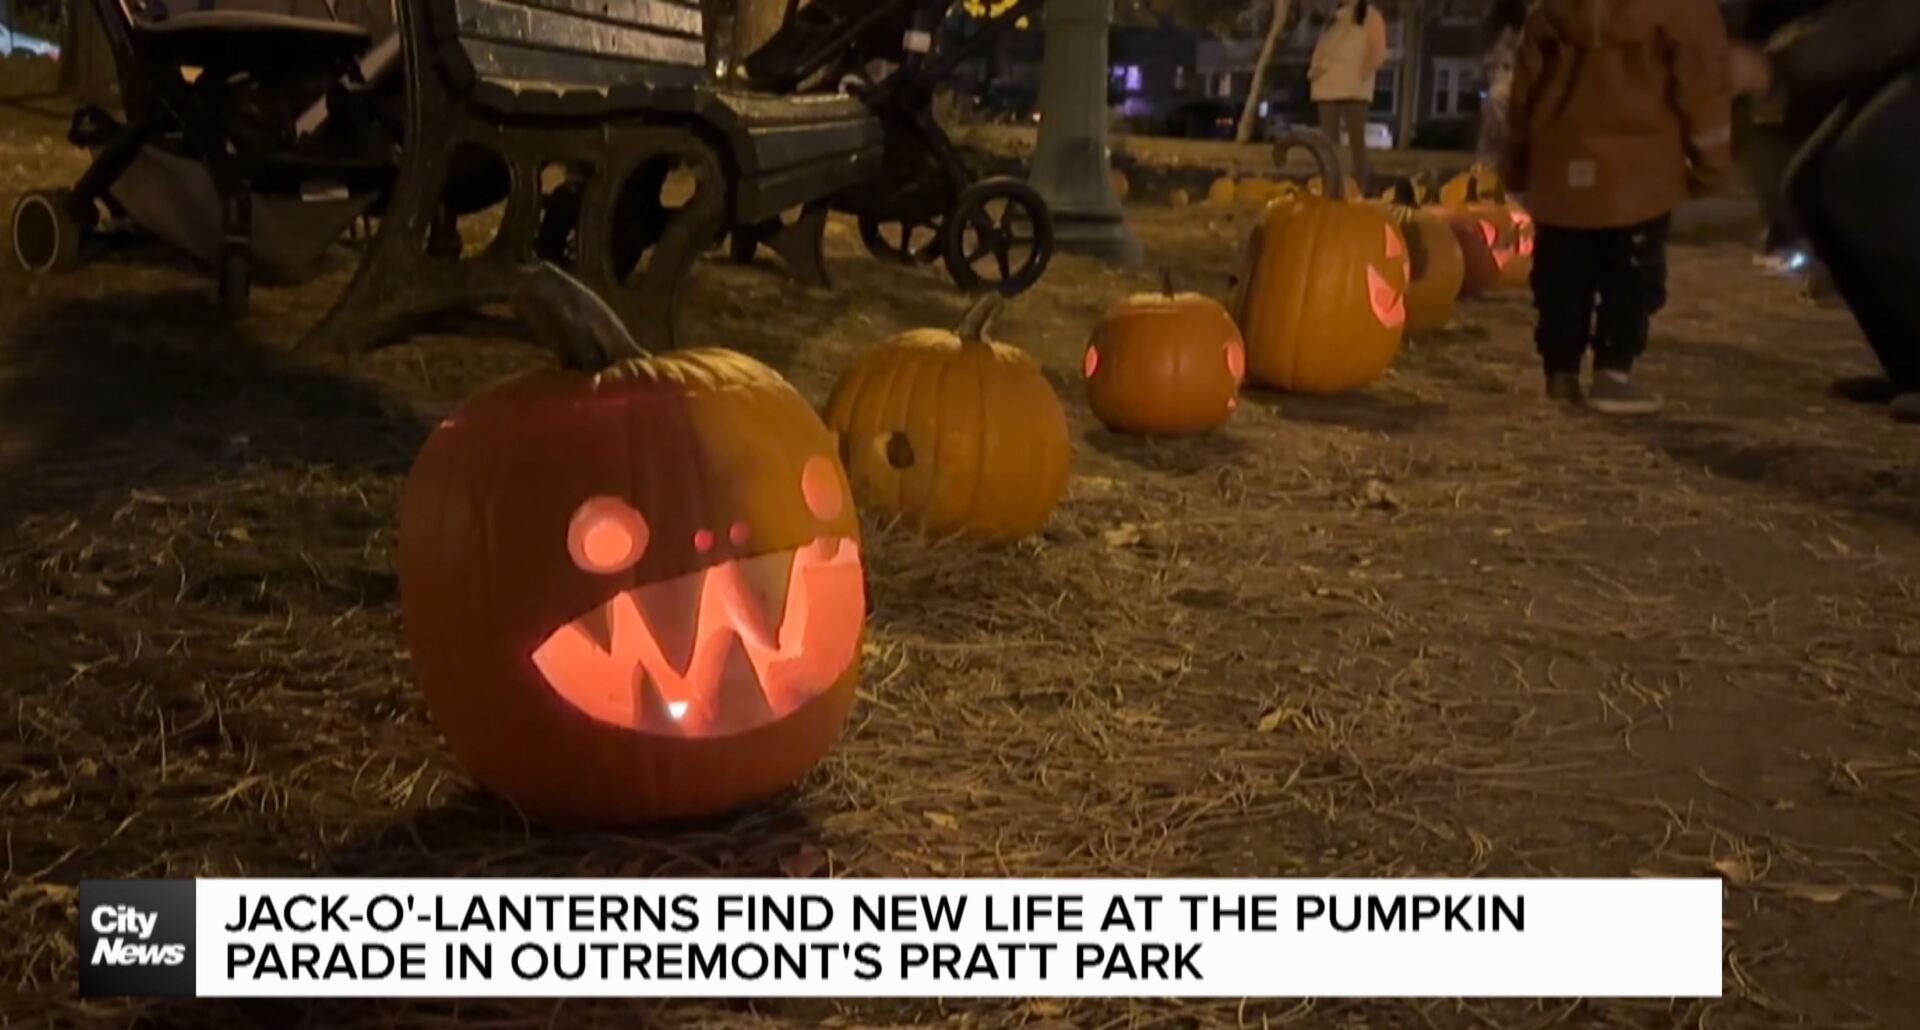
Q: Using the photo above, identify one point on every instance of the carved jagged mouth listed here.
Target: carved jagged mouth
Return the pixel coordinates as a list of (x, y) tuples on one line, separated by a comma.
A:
[(725, 650)]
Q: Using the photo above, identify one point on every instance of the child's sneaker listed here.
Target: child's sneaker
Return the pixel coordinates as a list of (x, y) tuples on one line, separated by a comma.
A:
[(1564, 386), (1615, 393)]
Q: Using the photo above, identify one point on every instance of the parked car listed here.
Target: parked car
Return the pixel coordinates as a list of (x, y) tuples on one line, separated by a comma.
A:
[(1379, 135)]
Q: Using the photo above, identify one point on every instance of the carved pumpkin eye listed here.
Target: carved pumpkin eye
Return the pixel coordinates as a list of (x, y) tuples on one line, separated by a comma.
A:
[(1388, 306), (1489, 233), (1394, 247), (1237, 360), (607, 536), (895, 449), (820, 485), (1092, 363)]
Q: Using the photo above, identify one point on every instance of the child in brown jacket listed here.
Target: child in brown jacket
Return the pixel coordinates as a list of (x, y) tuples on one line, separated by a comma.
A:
[(1620, 109)]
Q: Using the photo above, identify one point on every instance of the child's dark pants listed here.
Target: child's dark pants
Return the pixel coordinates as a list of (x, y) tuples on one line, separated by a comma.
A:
[(1620, 274)]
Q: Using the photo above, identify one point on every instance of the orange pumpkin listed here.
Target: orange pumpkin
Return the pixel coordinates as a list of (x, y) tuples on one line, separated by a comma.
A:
[(1517, 273), (1222, 191), (1322, 301), (1165, 363), (1483, 232), (632, 591), (954, 433), (1437, 266), (1121, 187), (1179, 198)]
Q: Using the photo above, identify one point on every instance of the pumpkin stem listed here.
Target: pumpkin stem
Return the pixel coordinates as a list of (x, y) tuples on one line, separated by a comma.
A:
[(979, 319), (573, 320), (1166, 282), (1333, 170)]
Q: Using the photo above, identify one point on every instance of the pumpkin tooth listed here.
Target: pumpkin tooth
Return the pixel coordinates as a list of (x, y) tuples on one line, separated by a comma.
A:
[(765, 581), (672, 610)]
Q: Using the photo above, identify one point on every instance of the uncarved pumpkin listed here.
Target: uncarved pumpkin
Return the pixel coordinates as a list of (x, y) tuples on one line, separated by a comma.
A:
[(632, 590), (1437, 265), (1179, 198), (1165, 363), (954, 433), (1322, 305), (1478, 183), (1222, 191)]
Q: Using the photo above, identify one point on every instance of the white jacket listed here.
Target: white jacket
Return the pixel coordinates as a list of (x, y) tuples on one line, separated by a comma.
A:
[(1348, 56)]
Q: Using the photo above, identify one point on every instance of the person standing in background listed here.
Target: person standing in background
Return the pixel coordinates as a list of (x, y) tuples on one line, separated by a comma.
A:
[(1346, 60), (1503, 27)]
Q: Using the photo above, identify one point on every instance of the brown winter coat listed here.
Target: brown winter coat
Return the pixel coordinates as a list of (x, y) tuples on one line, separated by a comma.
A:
[(1619, 110)]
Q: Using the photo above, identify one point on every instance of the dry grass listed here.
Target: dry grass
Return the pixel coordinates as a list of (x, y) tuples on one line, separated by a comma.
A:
[(1438, 628)]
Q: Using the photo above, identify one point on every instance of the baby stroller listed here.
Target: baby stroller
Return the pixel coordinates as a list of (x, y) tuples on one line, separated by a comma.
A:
[(924, 205), (253, 140)]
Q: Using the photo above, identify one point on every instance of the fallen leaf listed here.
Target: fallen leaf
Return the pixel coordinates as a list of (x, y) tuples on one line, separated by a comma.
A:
[(1272, 720), (1818, 893), (1126, 535), (1047, 1008), (240, 534), (943, 820), (804, 863), (37, 797), (1736, 870)]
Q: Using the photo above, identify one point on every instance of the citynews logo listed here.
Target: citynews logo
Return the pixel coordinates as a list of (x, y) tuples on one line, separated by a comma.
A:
[(136, 938), (123, 950)]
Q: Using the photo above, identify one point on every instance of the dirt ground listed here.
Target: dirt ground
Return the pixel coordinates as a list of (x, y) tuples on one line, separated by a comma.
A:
[(1437, 628)]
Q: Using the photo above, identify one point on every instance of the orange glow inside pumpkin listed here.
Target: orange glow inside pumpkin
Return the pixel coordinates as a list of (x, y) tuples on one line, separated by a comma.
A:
[(722, 650), (1092, 362), (1237, 361), (1387, 303), (606, 536)]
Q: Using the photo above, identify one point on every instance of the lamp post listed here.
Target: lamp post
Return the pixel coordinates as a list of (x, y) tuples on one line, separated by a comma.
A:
[(1070, 162)]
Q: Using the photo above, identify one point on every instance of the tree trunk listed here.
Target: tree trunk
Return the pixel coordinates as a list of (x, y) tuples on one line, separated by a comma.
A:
[(1276, 31), (1413, 58)]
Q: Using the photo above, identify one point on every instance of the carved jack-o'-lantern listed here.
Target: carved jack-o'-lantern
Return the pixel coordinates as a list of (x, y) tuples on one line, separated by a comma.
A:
[(953, 432), (632, 591), (1437, 267), (1517, 267), (1322, 297), (1165, 363)]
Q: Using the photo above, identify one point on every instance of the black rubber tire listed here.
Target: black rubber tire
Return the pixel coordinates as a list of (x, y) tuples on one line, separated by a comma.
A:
[(873, 234), (1000, 235), (46, 235)]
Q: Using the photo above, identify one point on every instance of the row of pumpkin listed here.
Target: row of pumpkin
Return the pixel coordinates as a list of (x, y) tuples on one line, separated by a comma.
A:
[(633, 589)]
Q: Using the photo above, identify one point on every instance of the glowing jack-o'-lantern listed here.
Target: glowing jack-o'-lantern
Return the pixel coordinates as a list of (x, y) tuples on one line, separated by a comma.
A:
[(1436, 267), (1165, 363), (953, 432), (1516, 260), (632, 590), (1322, 295)]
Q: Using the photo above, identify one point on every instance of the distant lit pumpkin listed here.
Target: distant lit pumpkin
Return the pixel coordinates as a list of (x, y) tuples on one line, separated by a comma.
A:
[(1478, 183), (1322, 301), (1483, 232), (953, 433), (1436, 265), (1165, 363), (1518, 270), (632, 590)]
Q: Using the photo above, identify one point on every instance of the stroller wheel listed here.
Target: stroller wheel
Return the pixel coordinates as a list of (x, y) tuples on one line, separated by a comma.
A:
[(46, 235), (999, 237), (901, 242)]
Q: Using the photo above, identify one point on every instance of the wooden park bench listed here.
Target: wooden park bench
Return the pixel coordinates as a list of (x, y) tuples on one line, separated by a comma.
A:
[(622, 150)]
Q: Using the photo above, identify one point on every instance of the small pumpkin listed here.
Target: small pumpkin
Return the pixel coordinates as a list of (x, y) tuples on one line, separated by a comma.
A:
[(1490, 239), (1179, 198), (632, 589), (1256, 191), (1322, 301), (1121, 187), (1518, 270), (1222, 191), (954, 433), (1437, 267), (1166, 363)]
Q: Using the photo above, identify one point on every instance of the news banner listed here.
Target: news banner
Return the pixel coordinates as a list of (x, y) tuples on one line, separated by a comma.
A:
[(900, 938)]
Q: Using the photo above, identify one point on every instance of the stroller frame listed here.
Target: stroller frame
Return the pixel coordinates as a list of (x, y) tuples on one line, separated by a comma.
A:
[(925, 205), (174, 110)]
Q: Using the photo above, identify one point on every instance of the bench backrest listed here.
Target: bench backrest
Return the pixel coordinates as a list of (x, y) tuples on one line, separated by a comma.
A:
[(575, 43)]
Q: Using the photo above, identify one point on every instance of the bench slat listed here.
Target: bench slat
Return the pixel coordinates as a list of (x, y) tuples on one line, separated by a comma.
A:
[(557, 42)]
